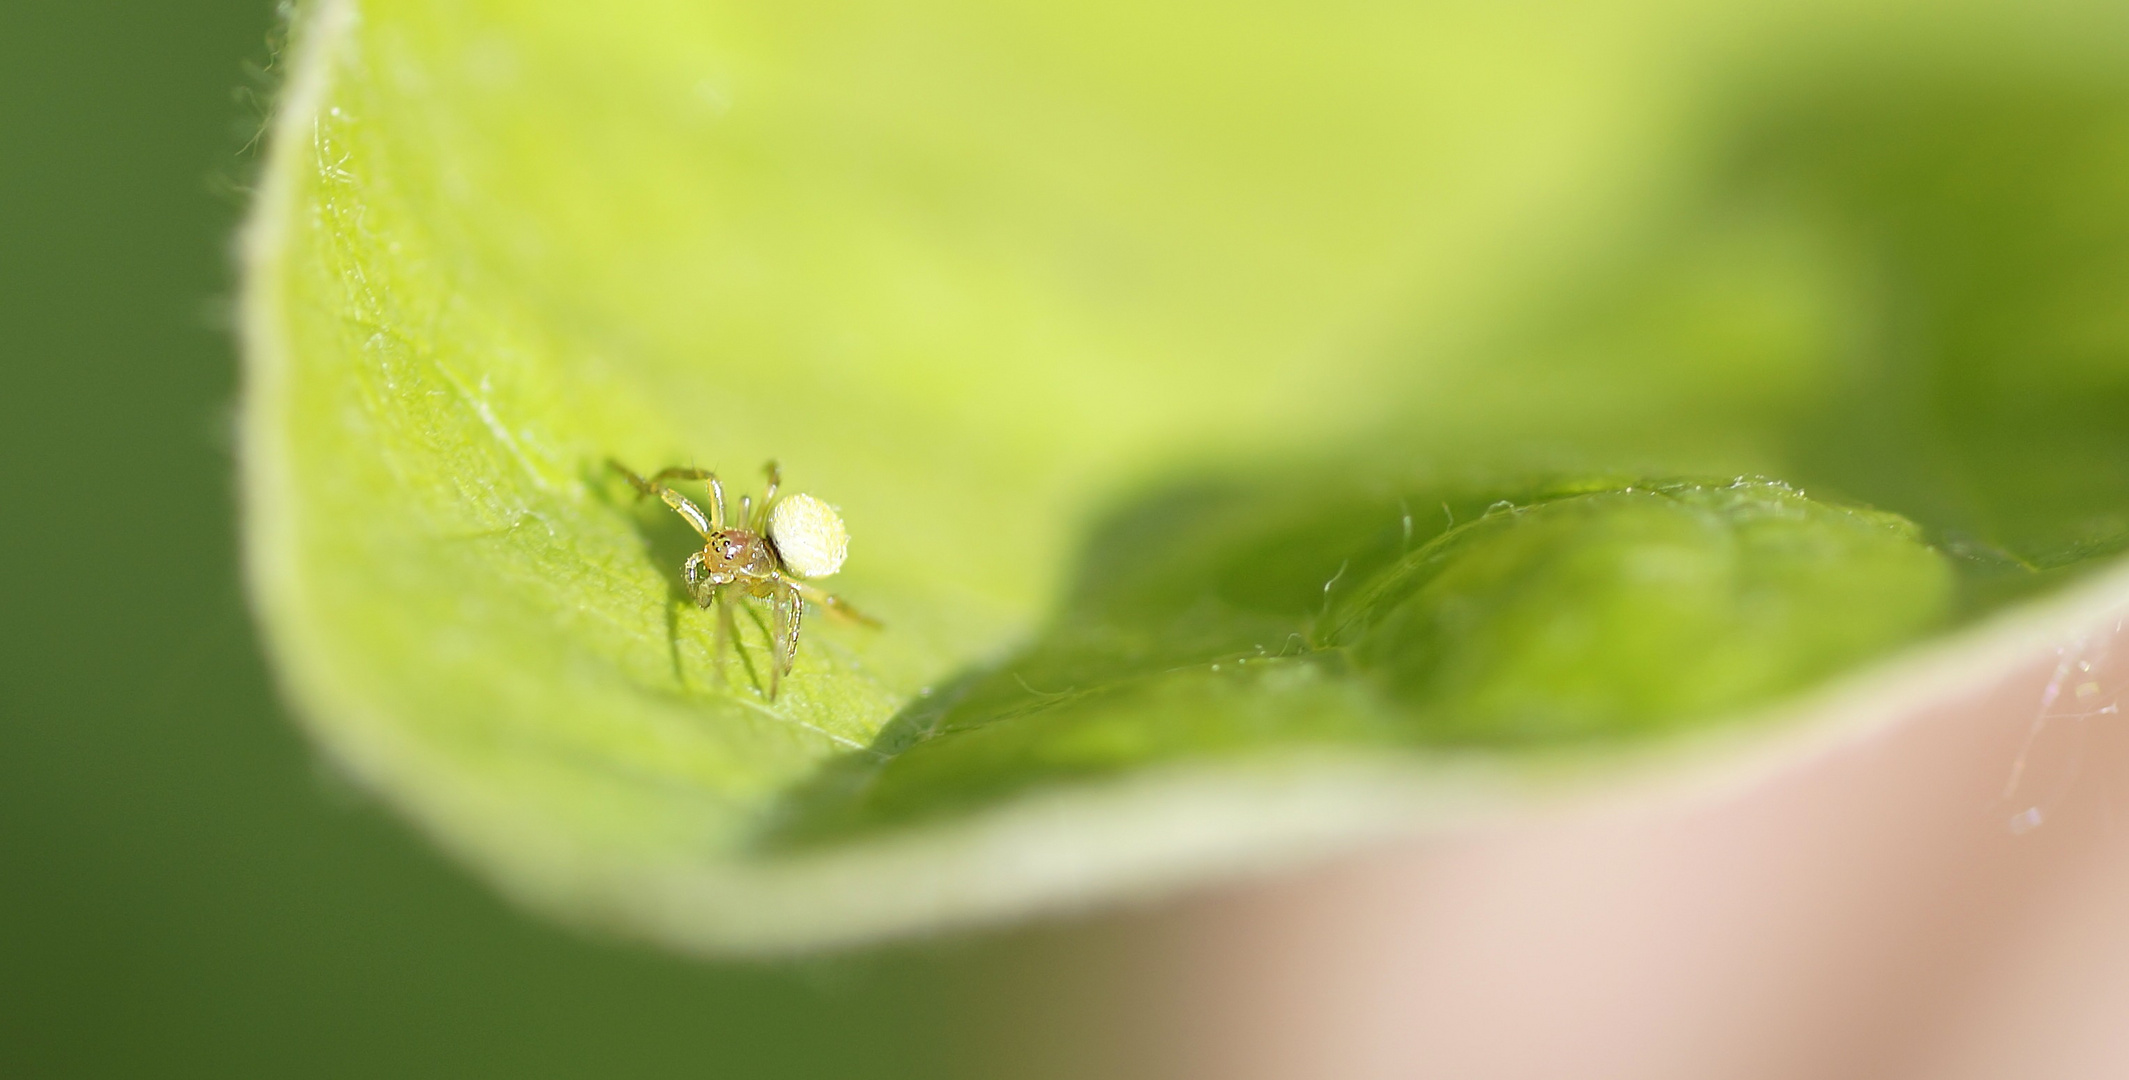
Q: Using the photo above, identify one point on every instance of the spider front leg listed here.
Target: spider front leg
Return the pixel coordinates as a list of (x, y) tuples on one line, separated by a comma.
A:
[(709, 479), (695, 572), (704, 524)]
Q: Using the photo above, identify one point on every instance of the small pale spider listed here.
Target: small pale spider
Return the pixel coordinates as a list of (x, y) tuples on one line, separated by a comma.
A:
[(766, 554)]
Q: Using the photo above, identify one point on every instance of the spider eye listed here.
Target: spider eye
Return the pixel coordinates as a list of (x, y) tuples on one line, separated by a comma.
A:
[(809, 536)]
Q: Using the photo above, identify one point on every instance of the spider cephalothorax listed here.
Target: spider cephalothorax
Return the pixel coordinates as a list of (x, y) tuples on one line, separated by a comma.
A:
[(766, 554)]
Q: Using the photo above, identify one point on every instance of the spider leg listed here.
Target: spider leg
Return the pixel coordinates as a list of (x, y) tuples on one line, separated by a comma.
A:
[(768, 496), (797, 615), (727, 635), (681, 472), (703, 524), (786, 612), (693, 571), (709, 478), (642, 486), (829, 602)]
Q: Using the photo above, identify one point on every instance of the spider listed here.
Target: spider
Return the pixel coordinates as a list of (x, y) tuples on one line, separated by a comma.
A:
[(763, 555)]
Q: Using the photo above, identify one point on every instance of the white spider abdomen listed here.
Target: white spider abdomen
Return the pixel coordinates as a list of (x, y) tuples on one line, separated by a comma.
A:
[(809, 536)]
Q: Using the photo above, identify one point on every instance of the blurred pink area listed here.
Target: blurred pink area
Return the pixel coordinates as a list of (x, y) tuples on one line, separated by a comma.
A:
[(1948, 898)]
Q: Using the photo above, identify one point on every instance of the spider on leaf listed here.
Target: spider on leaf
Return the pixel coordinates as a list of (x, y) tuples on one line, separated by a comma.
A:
[(767, 553)]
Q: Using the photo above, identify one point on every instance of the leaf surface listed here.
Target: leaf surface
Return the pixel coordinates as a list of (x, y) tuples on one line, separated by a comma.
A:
[(1258, 431)]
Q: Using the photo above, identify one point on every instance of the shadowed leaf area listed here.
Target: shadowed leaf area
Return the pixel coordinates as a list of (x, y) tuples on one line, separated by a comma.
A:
[(1210, 622), (1456, 402)]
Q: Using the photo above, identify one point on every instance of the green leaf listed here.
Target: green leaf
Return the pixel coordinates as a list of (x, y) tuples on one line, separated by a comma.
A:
[(1259, 431)]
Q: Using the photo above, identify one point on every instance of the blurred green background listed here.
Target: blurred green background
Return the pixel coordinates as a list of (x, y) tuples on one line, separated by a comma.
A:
[(184, 889)]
